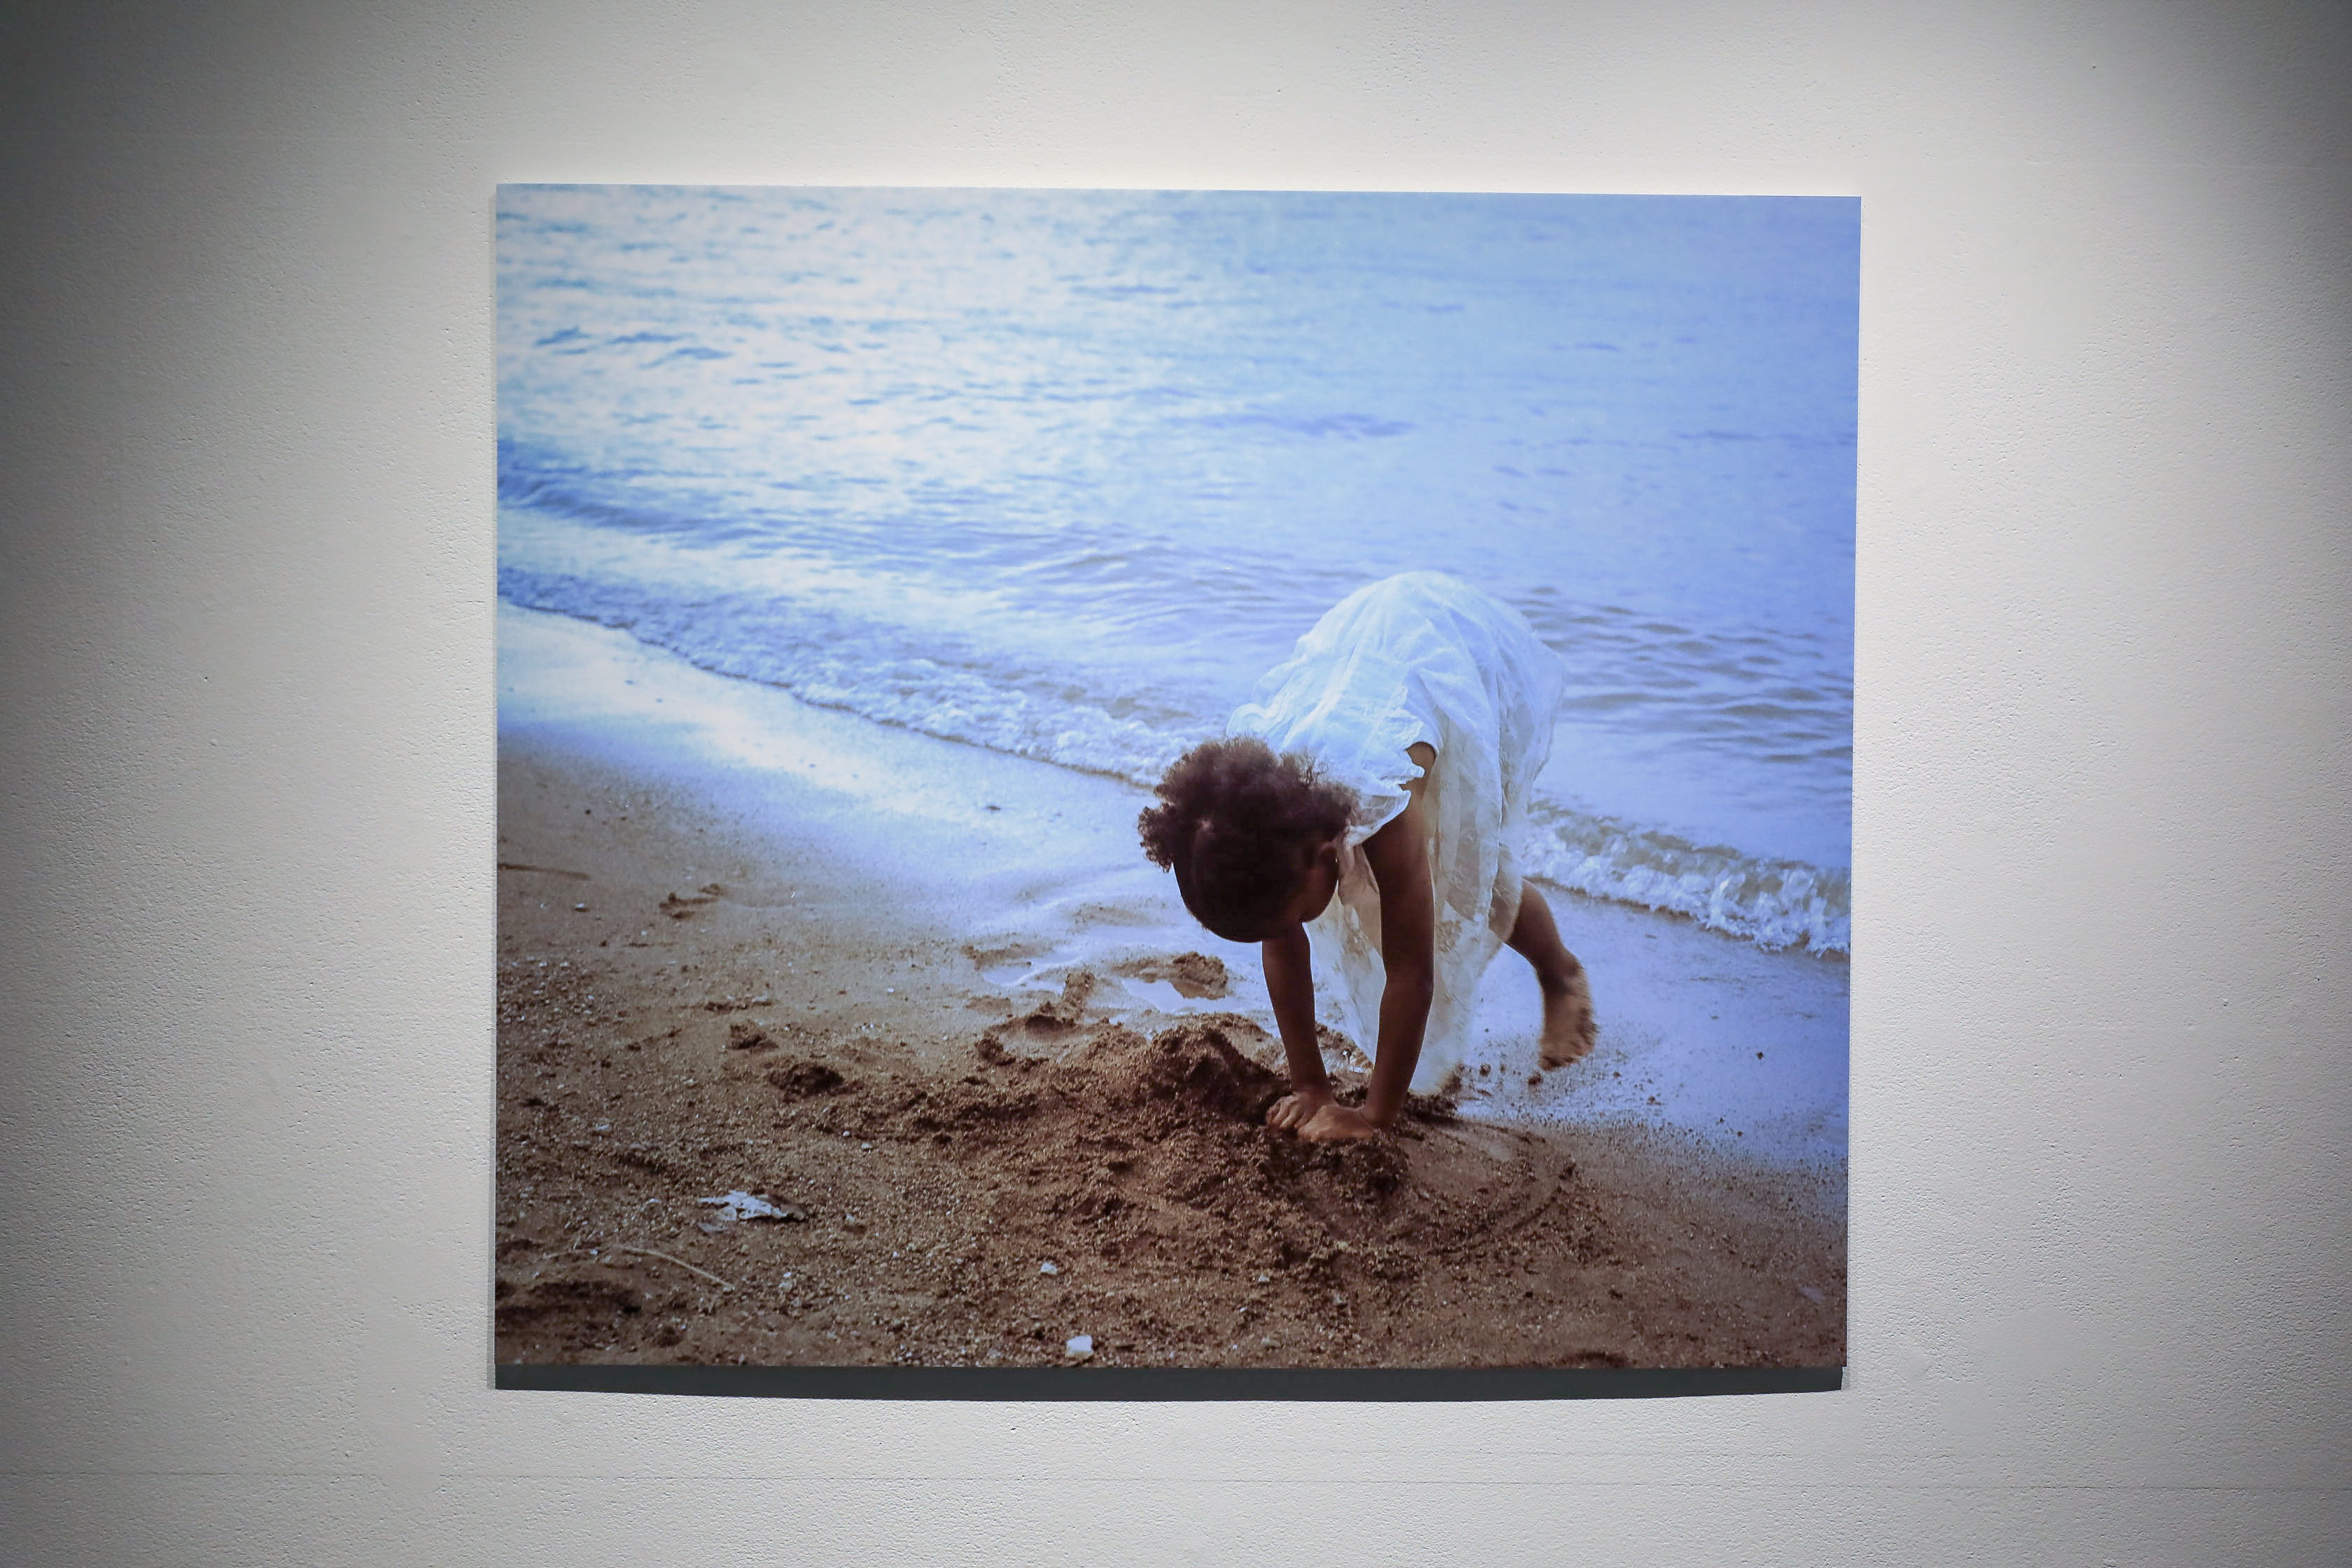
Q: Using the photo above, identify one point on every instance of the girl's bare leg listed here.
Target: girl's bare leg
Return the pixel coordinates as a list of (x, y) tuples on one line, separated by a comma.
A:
[(1567, 998)]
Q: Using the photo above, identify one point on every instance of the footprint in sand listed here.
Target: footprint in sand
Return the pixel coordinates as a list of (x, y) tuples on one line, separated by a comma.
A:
[(681, 909)]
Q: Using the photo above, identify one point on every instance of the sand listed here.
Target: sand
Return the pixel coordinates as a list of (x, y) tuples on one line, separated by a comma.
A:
[(926, 1003)]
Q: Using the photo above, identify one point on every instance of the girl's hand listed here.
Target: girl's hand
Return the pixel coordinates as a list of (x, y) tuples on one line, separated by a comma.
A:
[(1337, 1123), (1319, 1119), (1296, 1109)]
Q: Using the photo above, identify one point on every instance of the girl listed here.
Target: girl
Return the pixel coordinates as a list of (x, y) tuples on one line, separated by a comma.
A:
[(1361, 810)]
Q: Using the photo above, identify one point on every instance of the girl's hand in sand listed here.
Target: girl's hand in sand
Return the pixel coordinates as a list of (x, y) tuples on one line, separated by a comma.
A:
[(1319, 1119), (1295, 1110), (1337, 1123)]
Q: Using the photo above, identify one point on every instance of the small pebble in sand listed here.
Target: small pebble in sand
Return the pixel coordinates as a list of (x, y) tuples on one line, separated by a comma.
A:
[(1048, 1267), (1080, 1346)]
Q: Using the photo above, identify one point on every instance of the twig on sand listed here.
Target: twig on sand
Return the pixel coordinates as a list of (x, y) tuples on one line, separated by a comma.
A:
[(665, 1258)]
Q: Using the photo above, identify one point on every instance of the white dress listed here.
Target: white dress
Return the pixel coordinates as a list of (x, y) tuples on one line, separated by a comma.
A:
[(1418, 657)]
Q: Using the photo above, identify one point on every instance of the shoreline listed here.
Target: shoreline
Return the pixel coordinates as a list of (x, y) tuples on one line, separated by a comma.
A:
[(1035, 869), (927, 1000)]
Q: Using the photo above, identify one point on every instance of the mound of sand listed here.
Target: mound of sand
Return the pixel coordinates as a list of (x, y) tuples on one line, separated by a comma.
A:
[(1159, 1147)]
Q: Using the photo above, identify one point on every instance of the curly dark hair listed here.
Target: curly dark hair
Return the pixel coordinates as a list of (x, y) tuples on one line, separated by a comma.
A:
[(1240, 825)]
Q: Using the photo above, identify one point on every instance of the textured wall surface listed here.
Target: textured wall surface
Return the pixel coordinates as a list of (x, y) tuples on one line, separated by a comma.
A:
[(2101, 1183)]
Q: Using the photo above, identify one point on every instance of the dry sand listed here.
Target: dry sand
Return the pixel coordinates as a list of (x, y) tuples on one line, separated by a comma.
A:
[(807, 1001)]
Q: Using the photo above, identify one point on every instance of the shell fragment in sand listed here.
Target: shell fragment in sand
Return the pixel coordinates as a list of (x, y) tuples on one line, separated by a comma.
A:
[(1080, 1346), (739, 1205), (1048, 1267)]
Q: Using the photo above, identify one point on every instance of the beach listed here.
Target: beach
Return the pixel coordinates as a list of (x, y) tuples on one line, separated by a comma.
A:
[(972, 1090)]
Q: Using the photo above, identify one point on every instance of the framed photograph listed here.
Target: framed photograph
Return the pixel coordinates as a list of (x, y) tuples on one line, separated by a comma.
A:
[(1147, 793)]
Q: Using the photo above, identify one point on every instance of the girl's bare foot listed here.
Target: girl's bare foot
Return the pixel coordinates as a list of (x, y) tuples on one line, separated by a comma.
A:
[(1568, 1029)]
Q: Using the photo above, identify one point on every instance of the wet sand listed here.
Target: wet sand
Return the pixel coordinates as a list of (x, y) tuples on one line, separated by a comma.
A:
[(925, 1002)]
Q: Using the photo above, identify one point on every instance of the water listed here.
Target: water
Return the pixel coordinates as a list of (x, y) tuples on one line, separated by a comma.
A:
[(1060, 473)]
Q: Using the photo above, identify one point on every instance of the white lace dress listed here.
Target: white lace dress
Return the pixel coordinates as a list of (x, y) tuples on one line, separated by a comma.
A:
[(1418, 657)]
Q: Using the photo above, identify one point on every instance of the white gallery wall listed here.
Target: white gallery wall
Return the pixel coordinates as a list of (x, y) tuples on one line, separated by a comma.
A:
[(2101, 1174)]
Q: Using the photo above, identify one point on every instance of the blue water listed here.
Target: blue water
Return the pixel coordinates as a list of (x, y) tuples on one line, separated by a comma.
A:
[(1061, 472)]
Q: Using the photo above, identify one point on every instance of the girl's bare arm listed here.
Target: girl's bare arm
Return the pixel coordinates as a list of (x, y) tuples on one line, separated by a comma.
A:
[(1399, 856), (1290, 986)]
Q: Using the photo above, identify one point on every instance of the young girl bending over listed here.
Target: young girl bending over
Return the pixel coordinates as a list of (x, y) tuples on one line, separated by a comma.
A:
[(1359, 815)]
